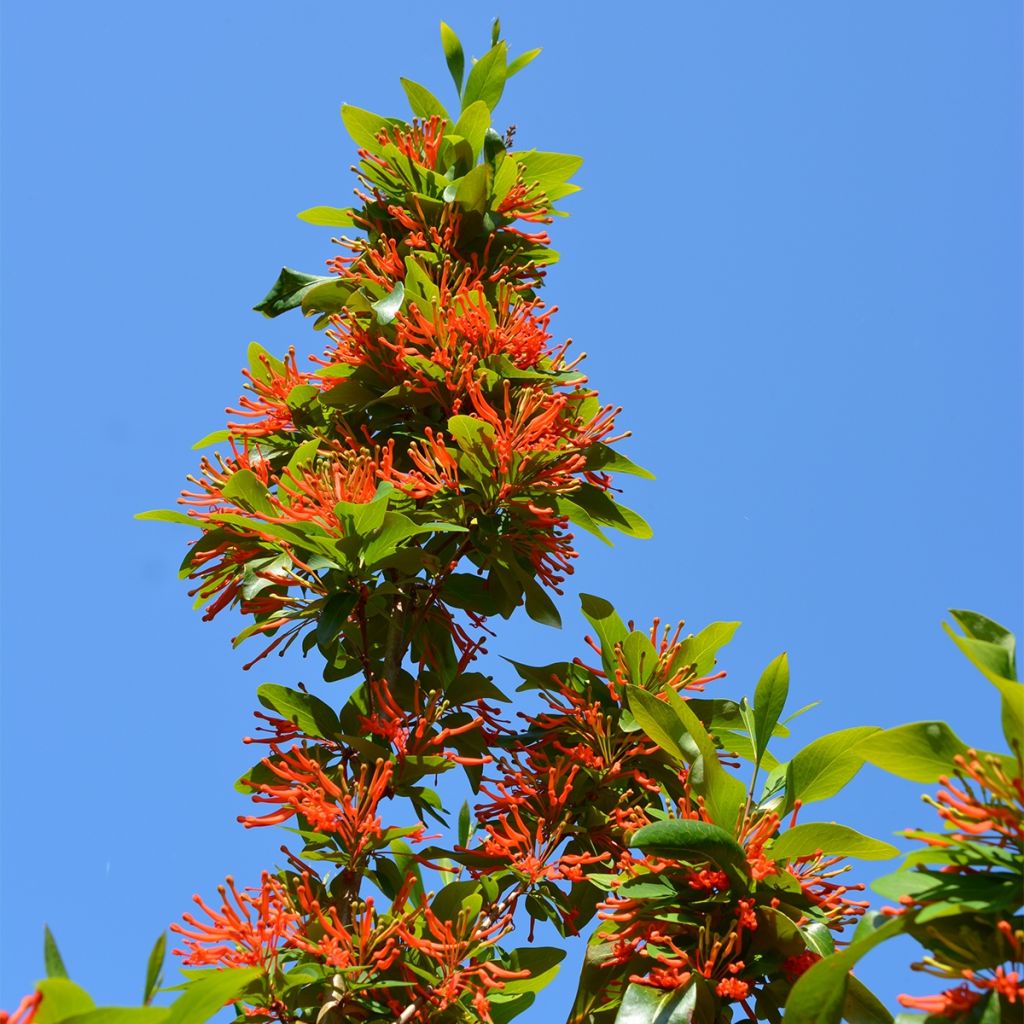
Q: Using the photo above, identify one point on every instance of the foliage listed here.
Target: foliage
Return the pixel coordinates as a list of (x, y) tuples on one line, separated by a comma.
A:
[(381, 509), (960, 896)]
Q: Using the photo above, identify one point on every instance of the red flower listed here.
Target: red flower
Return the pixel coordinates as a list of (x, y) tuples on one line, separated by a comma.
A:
[(953, 1003), (244, 935), (25, 1012), (795, 966)]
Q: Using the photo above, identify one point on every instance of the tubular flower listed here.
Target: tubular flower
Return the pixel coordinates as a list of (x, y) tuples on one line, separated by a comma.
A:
[(366, 942), (330, 801), (815, 874), (25, 1012), (453, 948), (996, 807), (952, 1004), (246, 934), (668, 671), (268, 410)]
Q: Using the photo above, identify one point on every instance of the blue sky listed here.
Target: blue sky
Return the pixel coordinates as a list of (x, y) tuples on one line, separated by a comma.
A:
[(796, 263)]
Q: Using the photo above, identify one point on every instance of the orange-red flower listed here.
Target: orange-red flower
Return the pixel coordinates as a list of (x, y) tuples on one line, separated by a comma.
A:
[(25, 1012), (246, 934)]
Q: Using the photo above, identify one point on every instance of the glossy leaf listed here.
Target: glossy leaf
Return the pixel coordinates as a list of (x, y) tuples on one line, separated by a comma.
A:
[(288, 291), (166, 515), (52, 960), (832, 839), (364, 126), (685, 839), (700, 650), (979, 627), (769, 701), (209, 992), (155, 969), (328, 216), (819, 995), (657, 720), (387, 308), (486, 79), (423, 102), (472, 125), (543, 963), (610, 628), (309, 713), (62, 998), (121, 1015), (539, 605), (825, 766), (603, 457), (453, 55), (521, 61), (644, 1004), (919, 751), (724, 794), (862, 1006)]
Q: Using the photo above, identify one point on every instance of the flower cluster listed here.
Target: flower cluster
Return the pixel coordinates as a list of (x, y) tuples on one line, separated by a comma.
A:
[(979, 859)]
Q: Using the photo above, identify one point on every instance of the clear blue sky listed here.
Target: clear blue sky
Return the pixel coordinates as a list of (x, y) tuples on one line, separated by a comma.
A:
[(796, 262)]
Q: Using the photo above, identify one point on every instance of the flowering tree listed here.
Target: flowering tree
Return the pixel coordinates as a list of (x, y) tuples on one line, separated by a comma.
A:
[(381, 505)]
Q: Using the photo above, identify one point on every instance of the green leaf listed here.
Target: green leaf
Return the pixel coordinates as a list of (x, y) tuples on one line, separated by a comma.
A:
[(328, 216), (61, 999), (819, 995), (214, 437), (486, 79), (978, 627), (723, 793), (610, 629), (539, 605), (919, 751), (453, 55), (548, 169), (604, 510), (287, 292), (330, 295), (825, 766), (657, 720), (832, 839), (700, 650), (166, 515), (423, 102), (465, 824), (333, 616), (52, 960), (388, 307), (473, 190), (645, 1004), (309, 713), (949, 892), (640, 657), (121, 1015), (246, 490), (155, 969), (862, 1006), (209, 992), (472, 125), (769, 700), (542, 962), (600, 456), (474, 437), (363, 126), (686, 838), (521, 61)]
